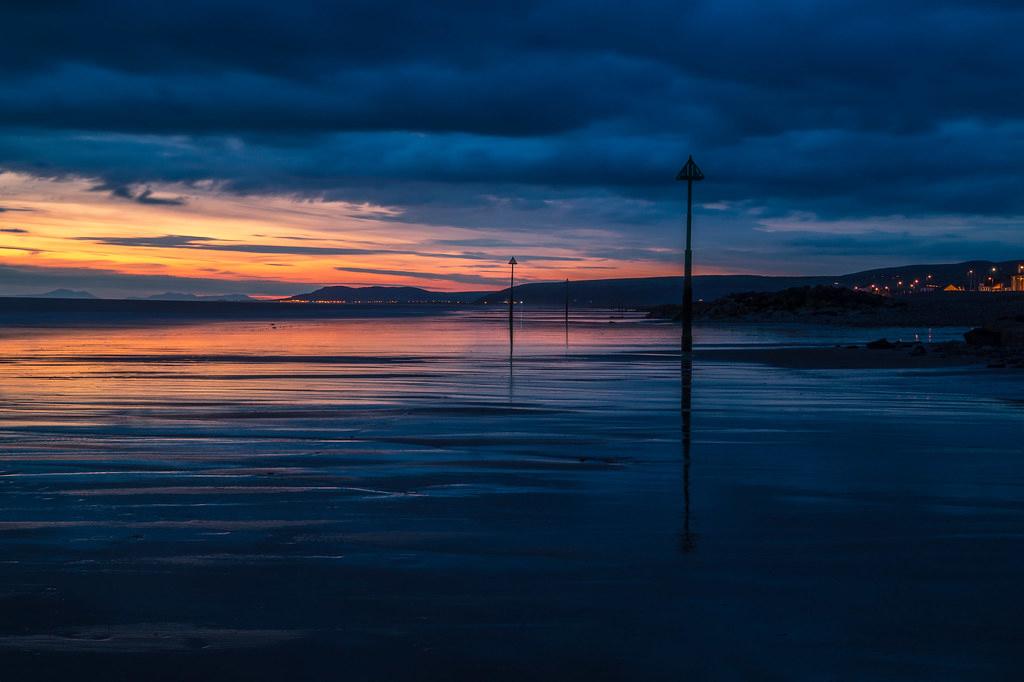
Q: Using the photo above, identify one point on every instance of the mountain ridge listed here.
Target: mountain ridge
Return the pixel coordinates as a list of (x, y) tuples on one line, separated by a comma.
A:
[(382, 294), (652, 291), (68, 293), (215, 298)]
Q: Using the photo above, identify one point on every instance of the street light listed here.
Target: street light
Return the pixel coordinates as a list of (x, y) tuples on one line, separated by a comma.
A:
[(691, 173)]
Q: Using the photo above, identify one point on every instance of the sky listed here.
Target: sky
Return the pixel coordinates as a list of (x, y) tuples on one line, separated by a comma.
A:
[(268, 148)]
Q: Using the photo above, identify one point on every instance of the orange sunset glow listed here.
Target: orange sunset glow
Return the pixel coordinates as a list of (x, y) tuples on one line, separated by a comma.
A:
[(267, 246)]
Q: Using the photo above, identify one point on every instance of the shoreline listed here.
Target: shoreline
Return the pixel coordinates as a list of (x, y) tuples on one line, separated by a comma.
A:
[(860, 357), (961, 309)]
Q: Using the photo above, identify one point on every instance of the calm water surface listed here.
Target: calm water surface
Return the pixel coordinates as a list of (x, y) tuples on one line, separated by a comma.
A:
[(391, 498)]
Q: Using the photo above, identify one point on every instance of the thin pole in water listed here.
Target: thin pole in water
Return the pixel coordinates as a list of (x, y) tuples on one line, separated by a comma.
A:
[(691, 173), (567, 312)]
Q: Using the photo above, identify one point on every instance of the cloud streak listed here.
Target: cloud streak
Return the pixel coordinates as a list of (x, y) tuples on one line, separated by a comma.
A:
[(177, 241), (145, 196)]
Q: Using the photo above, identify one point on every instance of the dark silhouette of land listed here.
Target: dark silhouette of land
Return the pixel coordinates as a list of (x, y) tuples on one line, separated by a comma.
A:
[(643, 292), (807, 301), (653, 291), (381, 294), (67, 293), (845, 307), (179, 296)]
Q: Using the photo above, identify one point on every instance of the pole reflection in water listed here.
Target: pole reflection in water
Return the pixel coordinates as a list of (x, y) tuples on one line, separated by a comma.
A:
[(511, 378), (687, 538)]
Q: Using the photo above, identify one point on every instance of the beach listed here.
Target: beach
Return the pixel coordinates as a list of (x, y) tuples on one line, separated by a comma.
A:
[(390, 496)]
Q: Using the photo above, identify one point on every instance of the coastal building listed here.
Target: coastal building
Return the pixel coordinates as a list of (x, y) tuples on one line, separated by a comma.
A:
[(1017, 283), (952, 287)]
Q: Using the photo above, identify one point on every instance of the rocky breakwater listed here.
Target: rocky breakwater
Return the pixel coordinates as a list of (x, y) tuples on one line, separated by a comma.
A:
[(1000, 342), (824, 304)]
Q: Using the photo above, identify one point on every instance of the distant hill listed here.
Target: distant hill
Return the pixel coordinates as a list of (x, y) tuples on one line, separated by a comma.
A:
[(646, 291), (343, 294), (66, 293), (652, 291), (178, 296), (941, 274)]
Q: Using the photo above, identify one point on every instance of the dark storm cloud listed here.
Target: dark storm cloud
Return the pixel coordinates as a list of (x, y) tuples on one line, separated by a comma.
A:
[(168, 241), (13, 230), (531, 115), (508, 68), (146, 196), (177, 241)]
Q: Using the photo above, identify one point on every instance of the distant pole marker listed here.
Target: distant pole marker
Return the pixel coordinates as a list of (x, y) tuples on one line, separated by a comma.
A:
[(567, 312), (511, 298)]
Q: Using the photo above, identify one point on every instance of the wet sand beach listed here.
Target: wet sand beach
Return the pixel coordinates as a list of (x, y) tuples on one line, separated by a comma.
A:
[(389, 497)]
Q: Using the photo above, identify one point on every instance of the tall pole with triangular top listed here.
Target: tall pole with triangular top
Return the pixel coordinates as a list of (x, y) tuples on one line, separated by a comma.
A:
[(511, 298), (691, 173)]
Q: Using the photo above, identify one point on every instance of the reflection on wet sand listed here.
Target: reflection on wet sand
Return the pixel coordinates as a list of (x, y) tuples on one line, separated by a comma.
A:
[(687, 540), (402, 498)]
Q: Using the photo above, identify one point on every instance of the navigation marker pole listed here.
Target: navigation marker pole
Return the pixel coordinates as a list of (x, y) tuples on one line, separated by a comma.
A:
[(691, 173), (566, 312)]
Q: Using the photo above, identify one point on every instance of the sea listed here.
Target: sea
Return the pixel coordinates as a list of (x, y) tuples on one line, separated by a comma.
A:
[(401, 494)]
